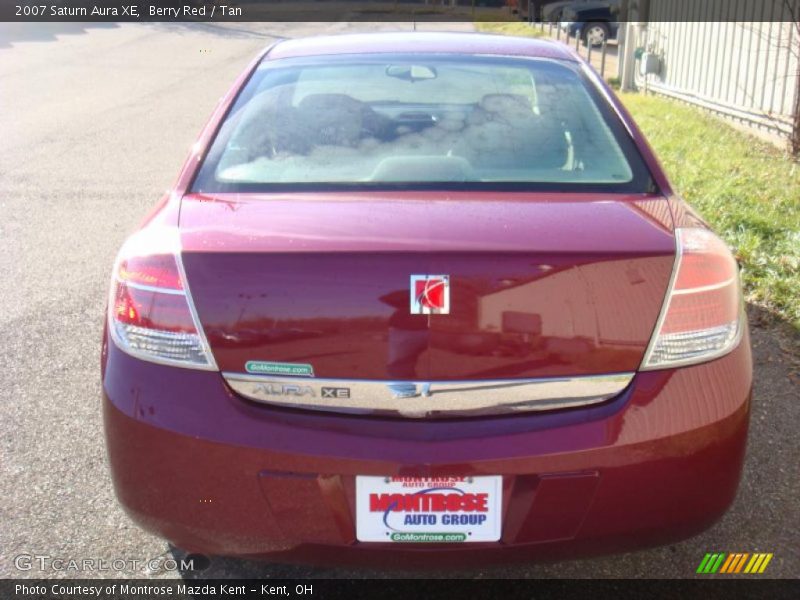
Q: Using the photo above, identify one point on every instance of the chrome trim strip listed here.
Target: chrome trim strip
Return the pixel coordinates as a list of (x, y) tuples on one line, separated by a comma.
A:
[(150, 288), (418, 399), (662, 315), (212, 362), (704, 288)]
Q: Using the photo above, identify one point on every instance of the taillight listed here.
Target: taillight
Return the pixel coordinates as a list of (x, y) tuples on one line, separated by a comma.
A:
[(150, 313), (702, 317)]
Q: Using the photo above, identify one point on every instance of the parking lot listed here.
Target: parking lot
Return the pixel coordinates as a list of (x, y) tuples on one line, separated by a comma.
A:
[(96, 121)]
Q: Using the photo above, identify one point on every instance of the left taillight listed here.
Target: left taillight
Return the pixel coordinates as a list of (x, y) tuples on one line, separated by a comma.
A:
[(150, 311)]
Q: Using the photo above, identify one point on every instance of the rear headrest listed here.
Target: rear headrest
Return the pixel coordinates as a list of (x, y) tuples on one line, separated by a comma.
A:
[(340, 120)]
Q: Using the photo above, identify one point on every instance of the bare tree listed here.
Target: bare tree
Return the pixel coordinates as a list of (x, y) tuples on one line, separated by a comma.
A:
[(794, 12)]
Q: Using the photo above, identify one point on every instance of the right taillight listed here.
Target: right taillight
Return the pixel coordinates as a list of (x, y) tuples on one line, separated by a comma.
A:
[(702, 316)]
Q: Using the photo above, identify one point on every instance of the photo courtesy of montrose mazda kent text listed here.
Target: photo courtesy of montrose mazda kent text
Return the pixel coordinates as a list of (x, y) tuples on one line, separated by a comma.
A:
[(424, 299)]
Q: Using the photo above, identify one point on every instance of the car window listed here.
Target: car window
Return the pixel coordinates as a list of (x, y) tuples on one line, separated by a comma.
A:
[(419, 119)]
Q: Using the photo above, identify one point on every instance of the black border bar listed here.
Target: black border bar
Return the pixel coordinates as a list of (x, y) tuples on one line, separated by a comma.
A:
[(787, 11), (397, 589)]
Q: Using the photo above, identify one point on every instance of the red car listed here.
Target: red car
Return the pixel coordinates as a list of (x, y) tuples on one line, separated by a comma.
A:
[(421, 299)]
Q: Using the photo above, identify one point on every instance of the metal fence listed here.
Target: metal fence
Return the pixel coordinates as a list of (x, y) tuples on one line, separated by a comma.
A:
[(747, 70), (602, 57)]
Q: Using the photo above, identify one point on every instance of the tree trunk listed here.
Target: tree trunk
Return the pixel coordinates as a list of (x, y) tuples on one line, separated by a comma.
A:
[(796, 120)]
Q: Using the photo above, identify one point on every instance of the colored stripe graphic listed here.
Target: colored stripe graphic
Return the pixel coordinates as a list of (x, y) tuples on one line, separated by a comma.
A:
[(758, 563), (727, 564), (720, 562), (753, 562), (703, 563), (764, 564), (741, 562), (711, 562)]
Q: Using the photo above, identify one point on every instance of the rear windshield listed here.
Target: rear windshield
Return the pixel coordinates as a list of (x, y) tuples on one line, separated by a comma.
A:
[(420, 121)]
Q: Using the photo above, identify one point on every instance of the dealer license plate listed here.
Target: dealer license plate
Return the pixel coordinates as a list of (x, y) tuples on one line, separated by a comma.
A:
[(428, 509)]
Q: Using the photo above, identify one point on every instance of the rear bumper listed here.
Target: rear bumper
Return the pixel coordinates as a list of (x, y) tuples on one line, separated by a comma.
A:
[(214, 473)]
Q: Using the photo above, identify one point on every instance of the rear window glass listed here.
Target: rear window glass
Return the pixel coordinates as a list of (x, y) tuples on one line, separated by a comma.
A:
[(430, 120)]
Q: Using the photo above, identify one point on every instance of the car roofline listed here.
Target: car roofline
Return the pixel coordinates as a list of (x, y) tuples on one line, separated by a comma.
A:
[(473, 44)]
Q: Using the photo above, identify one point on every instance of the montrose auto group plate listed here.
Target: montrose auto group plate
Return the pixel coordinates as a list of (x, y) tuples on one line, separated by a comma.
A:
[(428, 509)]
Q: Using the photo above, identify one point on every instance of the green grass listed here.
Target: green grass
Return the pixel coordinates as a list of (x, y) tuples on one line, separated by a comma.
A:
[(746, 189), (510, 28)]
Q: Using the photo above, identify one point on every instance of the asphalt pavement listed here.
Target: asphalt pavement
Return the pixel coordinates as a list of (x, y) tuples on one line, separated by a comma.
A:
[(95, 122)]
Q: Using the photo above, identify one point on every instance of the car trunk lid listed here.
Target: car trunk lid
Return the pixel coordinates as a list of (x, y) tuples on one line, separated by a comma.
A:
[(541, 285)]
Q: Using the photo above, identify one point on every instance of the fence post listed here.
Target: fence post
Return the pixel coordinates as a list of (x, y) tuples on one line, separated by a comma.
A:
[(627, 57), (603, 59)]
